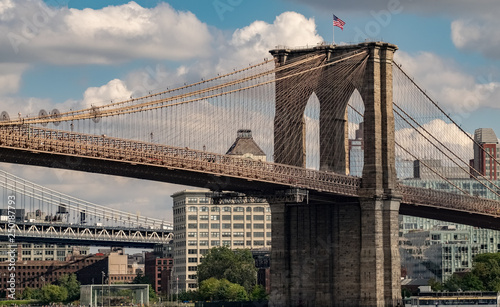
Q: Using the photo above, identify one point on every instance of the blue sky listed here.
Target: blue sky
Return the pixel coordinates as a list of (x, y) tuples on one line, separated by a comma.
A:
[(70, 53)]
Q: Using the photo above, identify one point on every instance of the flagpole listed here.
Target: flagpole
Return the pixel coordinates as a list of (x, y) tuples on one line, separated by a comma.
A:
[(333, 35)]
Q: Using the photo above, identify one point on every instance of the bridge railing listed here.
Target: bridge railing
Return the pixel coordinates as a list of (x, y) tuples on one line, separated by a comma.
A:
[(440, 199), (103, 147)]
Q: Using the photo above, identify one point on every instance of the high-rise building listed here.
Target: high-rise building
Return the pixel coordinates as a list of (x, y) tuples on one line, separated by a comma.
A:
[(200, 224), (485, 152)]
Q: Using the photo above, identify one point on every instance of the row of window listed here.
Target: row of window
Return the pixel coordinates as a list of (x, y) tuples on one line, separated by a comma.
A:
[(227, 234), (227, 226), (228, 209), (227, 243), (228, 217)]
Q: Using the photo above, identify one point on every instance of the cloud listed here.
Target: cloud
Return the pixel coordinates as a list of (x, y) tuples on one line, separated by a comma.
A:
[(114, 90), (10, 77), (447, 83), (113, 34), (477, 35)]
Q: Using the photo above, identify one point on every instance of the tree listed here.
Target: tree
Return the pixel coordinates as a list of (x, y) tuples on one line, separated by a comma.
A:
[(213, 289), (31, 294), (143, 279), (236, 266), (258, 293), (436, 286), (72, 286), (53, 294)]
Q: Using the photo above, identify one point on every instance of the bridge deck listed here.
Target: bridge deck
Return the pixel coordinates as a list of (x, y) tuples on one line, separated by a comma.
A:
[(35, 140)]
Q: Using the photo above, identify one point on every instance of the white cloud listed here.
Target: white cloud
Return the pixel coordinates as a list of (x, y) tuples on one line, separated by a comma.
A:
[(112, 34), (10, 77), (253, 42), (446, 82), (477, 35), (114, 90)]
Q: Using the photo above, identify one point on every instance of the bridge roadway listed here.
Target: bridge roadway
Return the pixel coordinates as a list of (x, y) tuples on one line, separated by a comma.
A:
[(28, 145), (59, 233)]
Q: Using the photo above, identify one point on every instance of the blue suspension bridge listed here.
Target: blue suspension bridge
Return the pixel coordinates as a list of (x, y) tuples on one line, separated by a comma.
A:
[(302, 107)]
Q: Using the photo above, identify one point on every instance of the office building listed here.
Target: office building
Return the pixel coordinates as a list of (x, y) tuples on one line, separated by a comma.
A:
[(486, 151), (200, 224)]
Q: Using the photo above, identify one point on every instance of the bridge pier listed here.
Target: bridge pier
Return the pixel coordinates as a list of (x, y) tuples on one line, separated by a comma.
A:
[(343, 253)]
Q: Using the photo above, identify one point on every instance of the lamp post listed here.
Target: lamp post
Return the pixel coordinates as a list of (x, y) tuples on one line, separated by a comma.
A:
[(102, 289)]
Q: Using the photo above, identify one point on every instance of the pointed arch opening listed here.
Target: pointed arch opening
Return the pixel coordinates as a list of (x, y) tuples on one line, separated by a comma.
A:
[(355, 150), (312, 135)]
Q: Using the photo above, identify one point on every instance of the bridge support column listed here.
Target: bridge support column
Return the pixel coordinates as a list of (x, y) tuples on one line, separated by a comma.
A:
[(344, 253)]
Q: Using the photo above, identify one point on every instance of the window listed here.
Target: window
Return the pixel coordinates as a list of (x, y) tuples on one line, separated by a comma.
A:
[(204, 200), (258, 243), (226, 217), (258, 209), (215, 225), (268, 217), (249, 226), (192, 234), (192, 268), (259, 226), (249, 209), (192, 251), (215, 234), (239, 226), (226, 242), (226, 234), (192, 209), (192, 217), (258, 234), (193, 226), (249, 217), (204, 209), (191, 243), (191, 260), (192, 286), (203, 225), (226, 209), (203, 234), (192, 200), (238, 243), (215, 209), (203, 217), (215, 243), (249, 234), (258, 218), (203, 243), (241, 234), (268, 234), (238, 217), (239, 209), (215, 217), (226, 226)]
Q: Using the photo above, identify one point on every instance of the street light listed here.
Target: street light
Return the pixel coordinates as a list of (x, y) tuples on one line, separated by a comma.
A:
[(102, 289)]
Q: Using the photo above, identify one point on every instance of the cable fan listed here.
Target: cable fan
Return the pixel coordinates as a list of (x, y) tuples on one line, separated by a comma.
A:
[(56, 114), (43, 115), (4, 117)]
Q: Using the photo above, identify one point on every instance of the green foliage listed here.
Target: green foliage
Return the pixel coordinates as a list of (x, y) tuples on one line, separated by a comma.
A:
[(72, 286), (236, 266), (485, 275), (258, 293), (53, 294), (213, 289), (436, 286), (189, 296), (31, 294), (17, 302), (143, 279)]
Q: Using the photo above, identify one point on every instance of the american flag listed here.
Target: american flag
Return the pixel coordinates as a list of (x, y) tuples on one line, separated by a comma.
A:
[(338, 22)]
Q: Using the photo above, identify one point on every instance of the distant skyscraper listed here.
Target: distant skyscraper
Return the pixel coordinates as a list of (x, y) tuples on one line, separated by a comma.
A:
[(485, 153)]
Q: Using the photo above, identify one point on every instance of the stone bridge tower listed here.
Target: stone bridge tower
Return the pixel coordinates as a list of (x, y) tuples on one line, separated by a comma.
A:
[(340, 251)]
